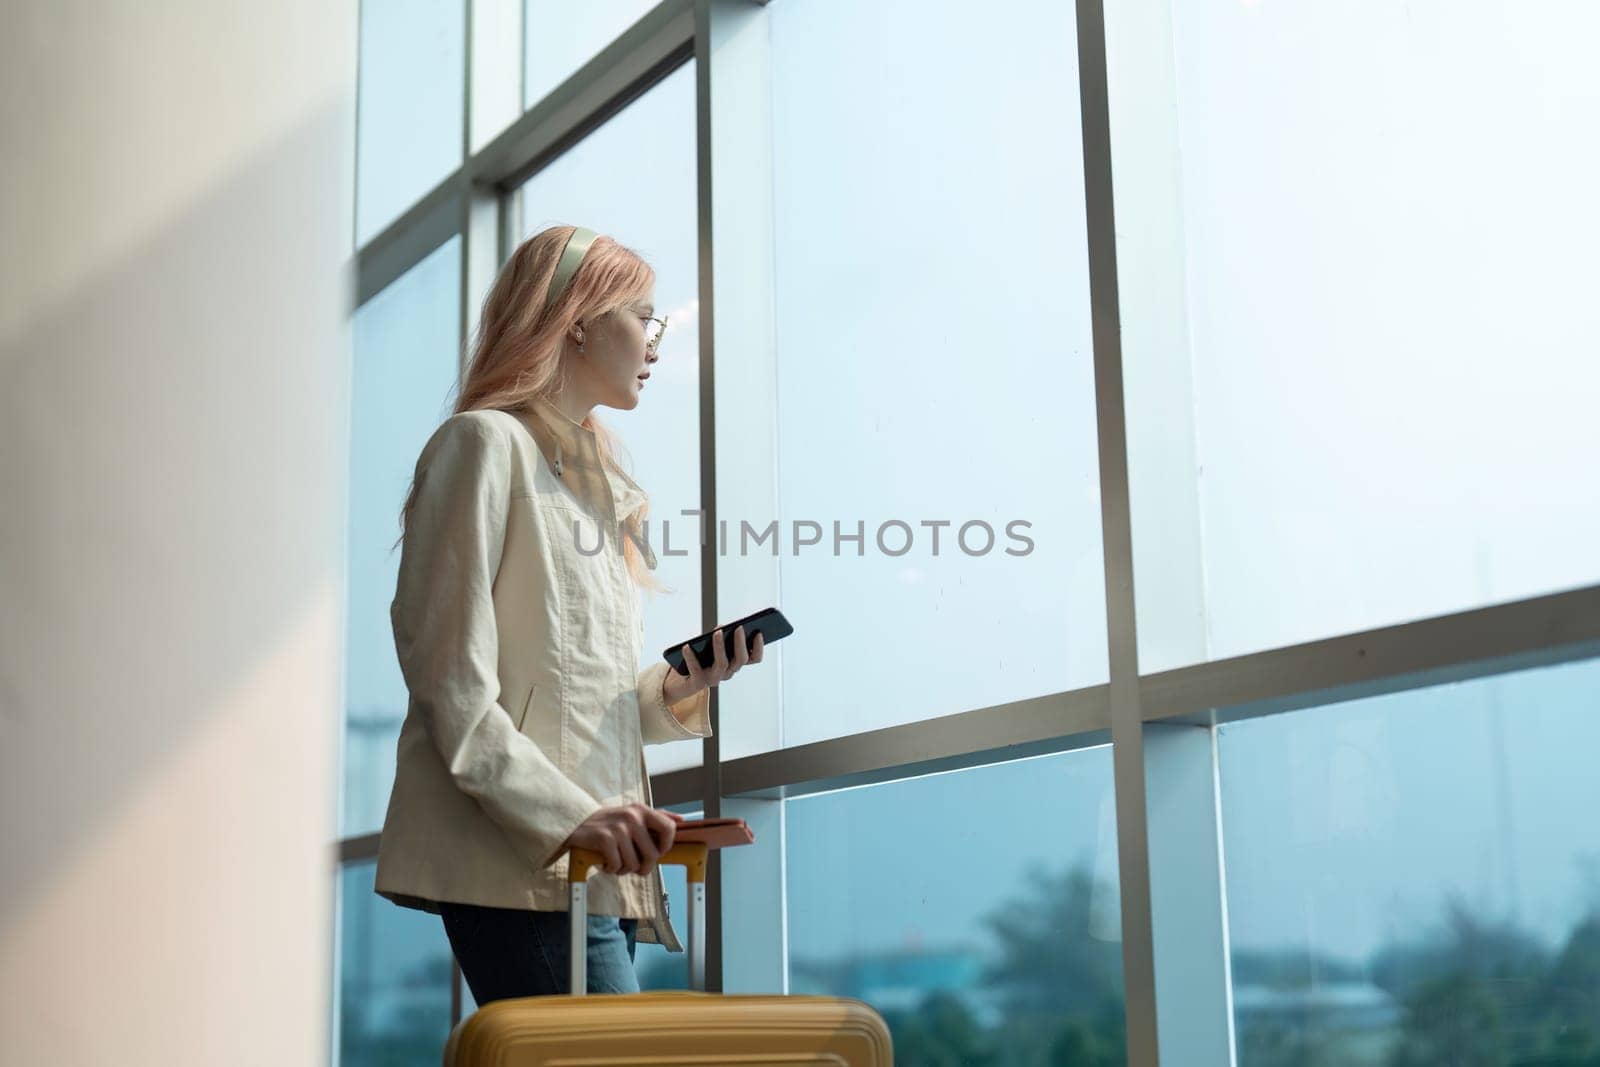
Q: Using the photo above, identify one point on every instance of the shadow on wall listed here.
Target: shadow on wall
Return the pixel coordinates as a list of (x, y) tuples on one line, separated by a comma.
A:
[(173, 453)]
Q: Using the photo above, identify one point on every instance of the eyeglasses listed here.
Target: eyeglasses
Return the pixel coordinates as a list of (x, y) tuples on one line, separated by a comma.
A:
[(653, 329)]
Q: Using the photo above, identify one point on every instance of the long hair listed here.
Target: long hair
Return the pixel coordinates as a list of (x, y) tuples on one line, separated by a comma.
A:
[(516, 349)]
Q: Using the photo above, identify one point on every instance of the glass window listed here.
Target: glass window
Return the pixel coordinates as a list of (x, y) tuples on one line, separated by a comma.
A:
[(393, 981), (992, 941), (560, 37), (402, 387), (1415, 878), (597, 184), (934, 364), (410, 103), (1389, 225)]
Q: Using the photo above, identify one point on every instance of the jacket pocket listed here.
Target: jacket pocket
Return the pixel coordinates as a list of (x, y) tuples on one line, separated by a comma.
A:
[(527, 703)]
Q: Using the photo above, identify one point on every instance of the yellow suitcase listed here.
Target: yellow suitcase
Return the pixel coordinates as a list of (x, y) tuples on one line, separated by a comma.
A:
[(677, 1028)]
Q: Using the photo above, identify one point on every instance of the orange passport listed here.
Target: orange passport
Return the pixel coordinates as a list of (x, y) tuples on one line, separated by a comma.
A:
[(715, 833)]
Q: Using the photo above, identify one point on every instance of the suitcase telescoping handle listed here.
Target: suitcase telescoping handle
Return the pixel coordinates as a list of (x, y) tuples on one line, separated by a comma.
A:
[(690, 855)]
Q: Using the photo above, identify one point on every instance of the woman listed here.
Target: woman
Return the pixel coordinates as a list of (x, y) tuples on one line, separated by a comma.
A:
[(518, 630)]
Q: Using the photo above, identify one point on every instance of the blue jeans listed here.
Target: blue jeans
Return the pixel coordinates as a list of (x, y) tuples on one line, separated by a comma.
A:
[(512, 952)]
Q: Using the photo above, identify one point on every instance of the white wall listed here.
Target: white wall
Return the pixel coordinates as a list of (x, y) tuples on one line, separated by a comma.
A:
[(174, 366)]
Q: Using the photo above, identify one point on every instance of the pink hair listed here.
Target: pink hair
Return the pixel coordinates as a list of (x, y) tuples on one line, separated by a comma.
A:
[(516, 350)]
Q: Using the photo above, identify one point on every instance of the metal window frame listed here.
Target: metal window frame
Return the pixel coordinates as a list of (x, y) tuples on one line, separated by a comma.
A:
[(1136, 712)]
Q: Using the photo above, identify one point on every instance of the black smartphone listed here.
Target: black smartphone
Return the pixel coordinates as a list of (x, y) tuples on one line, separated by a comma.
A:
[(768, 622)]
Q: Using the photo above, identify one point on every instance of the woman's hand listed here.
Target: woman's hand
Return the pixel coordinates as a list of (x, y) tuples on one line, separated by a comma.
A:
[(627, 837), (677, 686)]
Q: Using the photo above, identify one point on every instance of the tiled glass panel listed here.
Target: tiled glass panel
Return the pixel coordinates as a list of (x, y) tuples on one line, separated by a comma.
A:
[(976, 910), (1414, 879)]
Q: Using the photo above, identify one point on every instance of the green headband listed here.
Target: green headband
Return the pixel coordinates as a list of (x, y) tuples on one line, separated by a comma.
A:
[(572, 254)]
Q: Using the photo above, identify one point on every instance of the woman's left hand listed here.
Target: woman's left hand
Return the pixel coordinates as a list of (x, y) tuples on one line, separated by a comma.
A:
[(677, 686)]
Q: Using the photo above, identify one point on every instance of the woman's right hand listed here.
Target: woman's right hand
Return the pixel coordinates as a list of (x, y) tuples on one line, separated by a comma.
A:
[(630, 838)]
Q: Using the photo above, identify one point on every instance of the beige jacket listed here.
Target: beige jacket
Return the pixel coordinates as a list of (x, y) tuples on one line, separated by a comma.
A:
[(520, 645)]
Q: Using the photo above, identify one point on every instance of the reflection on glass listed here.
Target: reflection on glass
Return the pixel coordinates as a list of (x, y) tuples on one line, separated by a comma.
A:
[(1389, 225), (976, 911), (934, 363), (598, 184), (409, 103), (394, 979), (1414, 879), (401, 386), (560, 37)]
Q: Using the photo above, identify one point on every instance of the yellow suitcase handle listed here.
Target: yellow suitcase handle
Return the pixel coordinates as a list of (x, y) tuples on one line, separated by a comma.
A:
[(691, 855)]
